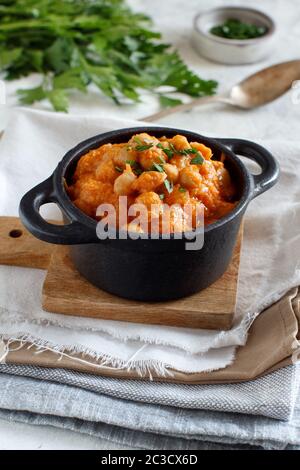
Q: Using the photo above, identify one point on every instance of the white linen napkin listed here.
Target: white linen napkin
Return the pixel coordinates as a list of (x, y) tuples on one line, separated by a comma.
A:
[(33, 143)]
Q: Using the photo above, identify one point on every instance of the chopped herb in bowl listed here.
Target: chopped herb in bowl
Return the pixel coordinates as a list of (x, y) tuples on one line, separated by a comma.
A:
[(236, 29)]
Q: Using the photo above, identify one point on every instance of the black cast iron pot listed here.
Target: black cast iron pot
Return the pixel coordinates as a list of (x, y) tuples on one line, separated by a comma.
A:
[(148, 270)]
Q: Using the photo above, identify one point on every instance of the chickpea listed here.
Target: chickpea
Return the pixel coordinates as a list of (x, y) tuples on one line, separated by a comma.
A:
[(180, 142), (189, 177), (178, 196), (89, 162), (152, 202), (208, 195), (149, 181), (200, 191), (120, 156), (123, 184), (106, 171), (147, 158), (142, 139), (208, 170), (91, 193), (148, 199), (180, 161), (171, 171), (206, 152)]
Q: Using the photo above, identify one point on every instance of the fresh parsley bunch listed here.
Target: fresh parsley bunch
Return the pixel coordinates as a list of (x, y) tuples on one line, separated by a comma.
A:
[(73, 43)]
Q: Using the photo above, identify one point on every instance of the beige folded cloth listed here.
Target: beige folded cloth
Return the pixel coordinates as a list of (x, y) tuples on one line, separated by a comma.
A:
[(273, 342)]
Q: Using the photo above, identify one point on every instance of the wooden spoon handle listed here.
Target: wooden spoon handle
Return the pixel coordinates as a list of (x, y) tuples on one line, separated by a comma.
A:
[(182, 107), (19, 248)]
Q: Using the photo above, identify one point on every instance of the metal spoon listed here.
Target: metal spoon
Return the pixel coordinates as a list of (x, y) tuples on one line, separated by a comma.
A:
[(256, 90)]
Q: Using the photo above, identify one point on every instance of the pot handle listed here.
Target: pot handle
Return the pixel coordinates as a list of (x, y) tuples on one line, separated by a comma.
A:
[(70, 234), (269, 166)]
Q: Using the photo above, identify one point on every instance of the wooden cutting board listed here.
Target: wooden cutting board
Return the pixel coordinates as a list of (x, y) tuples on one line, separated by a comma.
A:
[(66, 291)]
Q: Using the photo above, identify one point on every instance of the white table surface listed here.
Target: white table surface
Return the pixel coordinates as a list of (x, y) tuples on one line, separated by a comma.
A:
[(276, 121)]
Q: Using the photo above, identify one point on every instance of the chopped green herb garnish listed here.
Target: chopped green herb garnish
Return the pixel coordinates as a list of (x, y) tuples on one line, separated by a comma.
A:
[(161, 196), (141, 148), (182, 190), (135, 167), (169, 186), (119, 169), (187, 151), (172, 148), (233, 28), (168, 152), (131, 162), (138, 140), (157, 167), (198, 160)]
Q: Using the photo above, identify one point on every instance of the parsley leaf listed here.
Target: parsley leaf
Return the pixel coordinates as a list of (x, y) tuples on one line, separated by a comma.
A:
[(131, 162), (168, 152), (198, 160), (58, 55), (135, 167), (187, 151), (29, 96), (9, 57), (161, 160), (76, 43), (157, 167), (141, 148), (167, 102), (59, 100), (168, 186), (73, 78), (138, 140)]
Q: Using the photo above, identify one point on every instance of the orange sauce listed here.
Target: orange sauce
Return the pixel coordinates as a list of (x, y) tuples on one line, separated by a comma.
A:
[(154, 172)]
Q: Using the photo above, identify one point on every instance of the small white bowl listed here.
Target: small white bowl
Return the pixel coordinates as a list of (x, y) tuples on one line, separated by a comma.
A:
[(232, 51)]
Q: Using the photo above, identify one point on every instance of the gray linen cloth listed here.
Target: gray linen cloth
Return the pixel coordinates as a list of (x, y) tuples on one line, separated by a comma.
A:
[(273, 395), (142, 425)]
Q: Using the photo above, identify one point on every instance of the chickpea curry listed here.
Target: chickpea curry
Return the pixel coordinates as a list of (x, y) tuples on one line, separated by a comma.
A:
[(157, 172)]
